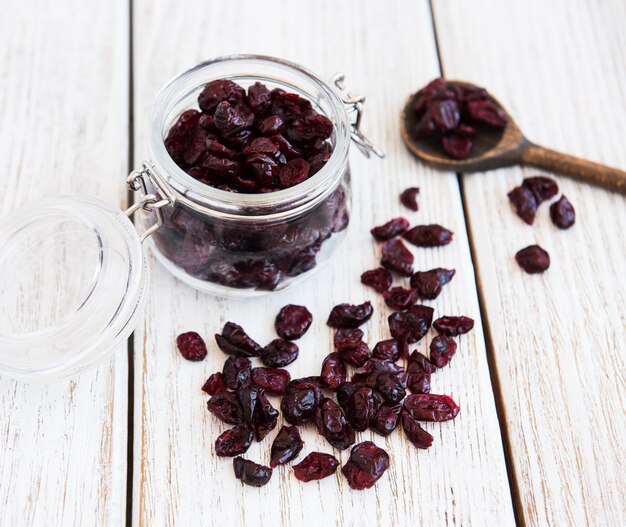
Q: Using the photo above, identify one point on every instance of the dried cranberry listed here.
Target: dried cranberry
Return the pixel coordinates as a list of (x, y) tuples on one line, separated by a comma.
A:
[(233, 442), (400, 298), (230, 120), (218, 91), (300, 402), (293, 321), (273, 381), (286, 446), (350, 316), (442, 349), (411, 324), (486, 112), (386, 419), (390, 387), (236, 372), (361, 408), (251, 473), (425, 127), (294, 172), (392, 228), (261, 145), (431, 407), (423, 362), (542, 188), (456, 146), (235, 341), (181, 133), (226, 407), (288, 150), (259, 98), (430, 283), (218, 149), (366, 465), (533, 259), (315, 466), (272, 125), (356, 356), (562, 213), (291, 106), (248, 397), (408, 198), (525, 203), (333, 371), (418, 378), (309, 128), (387, 350), (332, 424), (378, 279), (214, 384), (346, 339), (191, 346), (415, 433), (428, 236), (453, 326), (279, 353), (397, 257), (446, 114), (465, 130)]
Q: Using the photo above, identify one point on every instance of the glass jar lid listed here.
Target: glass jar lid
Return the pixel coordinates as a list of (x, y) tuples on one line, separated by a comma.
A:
[(73, 280)]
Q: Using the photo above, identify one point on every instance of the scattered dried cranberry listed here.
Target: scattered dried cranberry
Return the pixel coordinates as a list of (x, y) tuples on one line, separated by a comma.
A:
[(235, 341), (251, 473), (366, 465), (442, 349), (453, 326), (273, 381), (293, 321), (248, 399), (397, 257), (386, 419), (286, 446), (400, 298), (279, 353), (533, 259), (332, 424), (408, 198), (214, 384), (390, 229), (419, 371), (300, 402), (525, 203), (387, 350), (346, 339), (431, 407), (361, 408), (348, 316), (429, 283), (356, 356), (378, 279), (411, 324), (265, 417), (233, 442), (428, 236), (226, 407), (191, 346), (236, 372), (333, 371), (415, 433), (562, 213), (315, 466), (542, 188)]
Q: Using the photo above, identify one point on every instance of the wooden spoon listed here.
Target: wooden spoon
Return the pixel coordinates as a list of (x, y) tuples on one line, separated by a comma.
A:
[(507, 147)]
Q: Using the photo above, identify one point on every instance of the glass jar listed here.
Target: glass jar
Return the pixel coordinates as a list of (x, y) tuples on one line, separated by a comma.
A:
[(72, 270), (232, 244)]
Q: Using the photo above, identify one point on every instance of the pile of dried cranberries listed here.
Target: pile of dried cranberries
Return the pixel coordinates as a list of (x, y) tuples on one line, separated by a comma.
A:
[(257, 141), (453, 114)]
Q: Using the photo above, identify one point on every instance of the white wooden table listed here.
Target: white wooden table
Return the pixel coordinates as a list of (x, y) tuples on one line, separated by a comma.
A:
[(541, 382)]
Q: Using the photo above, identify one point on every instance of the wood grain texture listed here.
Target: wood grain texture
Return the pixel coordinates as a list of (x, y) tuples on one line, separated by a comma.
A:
[(386, 50), (559, 339), (63, 102)]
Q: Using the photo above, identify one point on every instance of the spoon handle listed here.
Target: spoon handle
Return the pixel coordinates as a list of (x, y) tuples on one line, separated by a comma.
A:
[(574, 167)]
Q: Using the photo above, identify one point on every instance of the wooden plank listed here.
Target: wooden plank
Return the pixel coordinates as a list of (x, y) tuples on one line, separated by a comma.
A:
[(64, 130), (558, 339), (386, 51)]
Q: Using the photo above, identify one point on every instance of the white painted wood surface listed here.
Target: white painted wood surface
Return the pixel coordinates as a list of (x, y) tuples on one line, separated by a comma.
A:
[(559, 339), (386, 49), (63, 130)]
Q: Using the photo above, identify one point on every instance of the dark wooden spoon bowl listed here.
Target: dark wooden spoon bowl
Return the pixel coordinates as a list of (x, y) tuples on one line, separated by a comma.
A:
[(507, 147)]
